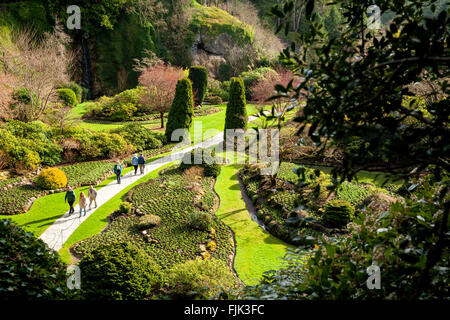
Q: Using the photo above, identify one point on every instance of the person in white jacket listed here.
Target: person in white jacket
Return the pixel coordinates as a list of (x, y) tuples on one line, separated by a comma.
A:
[(92, 195)]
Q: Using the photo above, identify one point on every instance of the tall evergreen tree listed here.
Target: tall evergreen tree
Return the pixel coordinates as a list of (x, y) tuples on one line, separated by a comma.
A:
[(182, 109), (236, 114), (199, 77)]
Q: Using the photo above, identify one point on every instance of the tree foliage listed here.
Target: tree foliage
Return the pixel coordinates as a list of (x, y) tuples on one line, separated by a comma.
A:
[(236, 114), (199, 78), (356, 86), (182, 109)]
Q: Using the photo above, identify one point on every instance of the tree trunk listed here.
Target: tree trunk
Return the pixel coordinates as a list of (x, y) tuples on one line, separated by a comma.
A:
[(162, 120)]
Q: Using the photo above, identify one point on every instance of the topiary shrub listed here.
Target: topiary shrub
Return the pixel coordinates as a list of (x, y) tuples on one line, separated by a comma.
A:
[(338, 213), (29, 270), (200, 278), (51, 178), (182, 109), (76, 88), (200, 221), (125, 207), (120, 271), (236, 114), (149, 221), (68, 97), (199, 78)]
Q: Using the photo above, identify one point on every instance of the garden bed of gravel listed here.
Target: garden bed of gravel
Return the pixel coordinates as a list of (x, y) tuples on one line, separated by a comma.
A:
[(298, 212), (167, 204)]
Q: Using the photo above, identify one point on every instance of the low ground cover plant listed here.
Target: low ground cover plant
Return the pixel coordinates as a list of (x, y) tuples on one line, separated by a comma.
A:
[(161, 223)]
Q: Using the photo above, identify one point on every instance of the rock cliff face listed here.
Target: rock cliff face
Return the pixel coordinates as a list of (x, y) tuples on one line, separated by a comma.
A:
[(217, 33)]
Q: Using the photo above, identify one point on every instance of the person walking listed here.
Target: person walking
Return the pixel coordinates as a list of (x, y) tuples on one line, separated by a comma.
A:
[(92, 195), (135, 163), (70, 199), (141, 162), (82, 203), (118, 171)]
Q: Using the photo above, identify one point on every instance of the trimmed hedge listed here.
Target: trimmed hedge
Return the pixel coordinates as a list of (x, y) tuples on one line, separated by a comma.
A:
[(236, 114), (199, 78), (51, 179), (182, 109), (68, 97), (119, 271)]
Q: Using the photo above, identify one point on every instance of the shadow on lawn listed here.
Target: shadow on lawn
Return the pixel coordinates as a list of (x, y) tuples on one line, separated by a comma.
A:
[(50, 221)]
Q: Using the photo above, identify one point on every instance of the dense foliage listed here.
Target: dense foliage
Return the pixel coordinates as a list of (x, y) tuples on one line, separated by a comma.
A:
[(119, 271), (199, 78), (139, 136), (236, 114), (200, 278), (68, 97), (36, 273), (182, 109), (51, 178)]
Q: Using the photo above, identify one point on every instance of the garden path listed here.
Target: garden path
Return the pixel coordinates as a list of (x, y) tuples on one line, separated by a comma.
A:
[(57, 234)]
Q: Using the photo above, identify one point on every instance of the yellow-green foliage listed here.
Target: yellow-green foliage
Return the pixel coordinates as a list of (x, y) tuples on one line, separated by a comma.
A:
[(216, 21), (207, 277), (51, 178)]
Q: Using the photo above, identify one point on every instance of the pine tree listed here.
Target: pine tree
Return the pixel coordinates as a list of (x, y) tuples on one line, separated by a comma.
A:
[(182, 109), (199, 77), (236, 114)]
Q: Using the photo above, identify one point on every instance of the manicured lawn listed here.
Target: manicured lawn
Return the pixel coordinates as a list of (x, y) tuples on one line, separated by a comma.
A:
[(97, 221), (256, 250)]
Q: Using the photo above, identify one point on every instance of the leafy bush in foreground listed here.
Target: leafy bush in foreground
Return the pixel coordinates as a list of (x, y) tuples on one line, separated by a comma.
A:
[(29, 270), (119, 271), (205, 278)]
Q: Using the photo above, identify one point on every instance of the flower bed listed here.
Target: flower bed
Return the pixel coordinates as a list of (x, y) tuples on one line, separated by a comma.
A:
[(172, 197), (18, 199)]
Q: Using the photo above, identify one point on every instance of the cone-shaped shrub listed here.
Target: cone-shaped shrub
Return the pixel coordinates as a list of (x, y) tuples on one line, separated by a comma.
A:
[(199, 77), (236, 115), (182, 109)]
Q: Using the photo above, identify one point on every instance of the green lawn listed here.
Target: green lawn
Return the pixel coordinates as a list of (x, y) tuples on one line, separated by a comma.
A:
[(256, 250), (97, 221)]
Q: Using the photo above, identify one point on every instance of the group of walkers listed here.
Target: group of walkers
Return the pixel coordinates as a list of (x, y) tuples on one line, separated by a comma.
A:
[(70, 198)]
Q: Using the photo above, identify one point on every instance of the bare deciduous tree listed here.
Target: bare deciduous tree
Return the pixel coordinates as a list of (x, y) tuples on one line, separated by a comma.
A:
[(40, 66)]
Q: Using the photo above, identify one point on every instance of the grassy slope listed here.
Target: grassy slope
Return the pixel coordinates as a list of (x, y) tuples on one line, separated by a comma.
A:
[(257, 251), (97, 221)]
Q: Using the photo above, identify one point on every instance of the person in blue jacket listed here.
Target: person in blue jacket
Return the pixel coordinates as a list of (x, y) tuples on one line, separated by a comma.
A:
[(141, 162), (135, 163), (118, 171)]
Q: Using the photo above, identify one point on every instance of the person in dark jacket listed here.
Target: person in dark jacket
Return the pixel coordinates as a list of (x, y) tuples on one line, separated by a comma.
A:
[(118, 171), (141, 162), (70, 199)]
